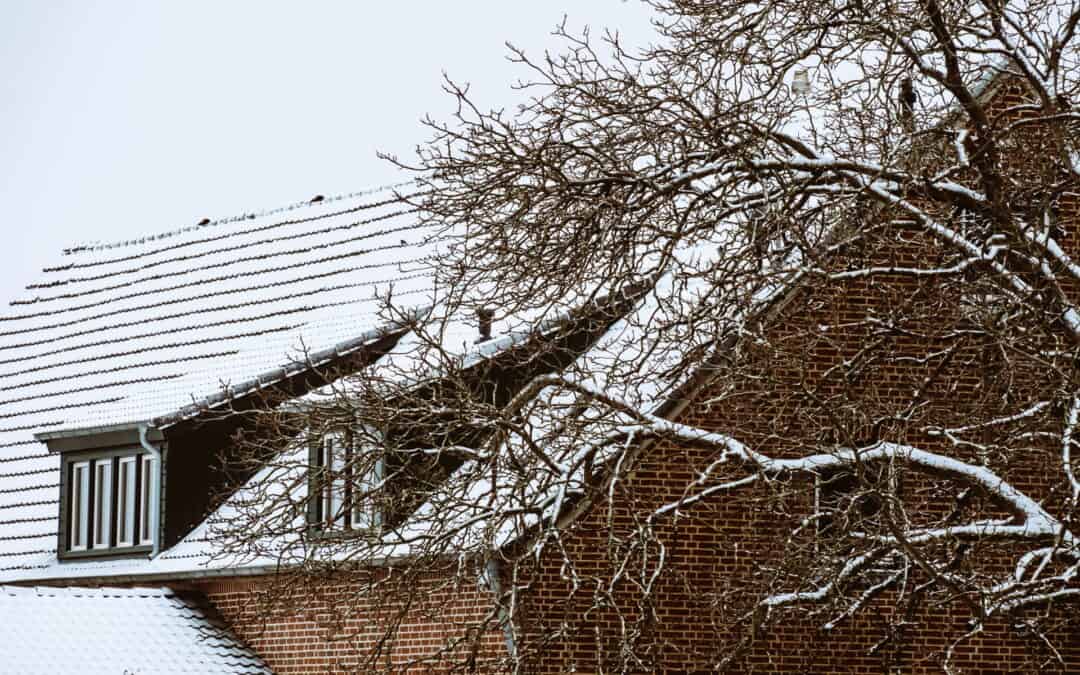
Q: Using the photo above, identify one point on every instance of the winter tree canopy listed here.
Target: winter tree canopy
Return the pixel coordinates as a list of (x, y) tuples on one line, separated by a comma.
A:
[(822, 255)]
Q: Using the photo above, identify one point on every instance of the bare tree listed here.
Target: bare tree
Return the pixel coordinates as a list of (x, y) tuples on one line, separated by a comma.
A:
[(823, 253)]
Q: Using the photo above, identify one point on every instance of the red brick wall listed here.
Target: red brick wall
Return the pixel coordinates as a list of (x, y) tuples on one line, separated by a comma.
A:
[(334, 626), (717, 560)]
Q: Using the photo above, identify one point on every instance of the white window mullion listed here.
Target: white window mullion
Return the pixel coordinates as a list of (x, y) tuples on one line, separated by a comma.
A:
[(125, 502), (80, 505), (335, 495), (102, 502)]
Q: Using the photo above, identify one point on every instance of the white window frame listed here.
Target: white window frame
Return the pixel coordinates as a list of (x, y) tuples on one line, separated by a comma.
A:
[(103, 515), (79, 520), (334, 453), (148, 499), (126, 497), (110, 497), (338, 507)]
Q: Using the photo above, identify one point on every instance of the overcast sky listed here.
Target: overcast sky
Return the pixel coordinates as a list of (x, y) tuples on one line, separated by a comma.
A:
[(125, 118)]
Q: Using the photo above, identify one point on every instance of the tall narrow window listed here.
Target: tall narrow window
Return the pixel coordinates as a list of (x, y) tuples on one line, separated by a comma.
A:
[(110, 500), (365, 512), (80, 505), (146, 503), (335, 458), (125, 501), (343, 485), (102, 503)]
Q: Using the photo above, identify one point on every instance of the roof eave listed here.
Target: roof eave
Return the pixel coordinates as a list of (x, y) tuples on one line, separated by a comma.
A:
[(84, 438), (279, 374)]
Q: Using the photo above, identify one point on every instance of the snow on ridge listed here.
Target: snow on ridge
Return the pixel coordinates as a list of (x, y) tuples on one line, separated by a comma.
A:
[(82, 247)]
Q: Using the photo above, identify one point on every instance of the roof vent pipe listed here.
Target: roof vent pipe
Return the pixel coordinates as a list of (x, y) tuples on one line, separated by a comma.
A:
[(484, 317)]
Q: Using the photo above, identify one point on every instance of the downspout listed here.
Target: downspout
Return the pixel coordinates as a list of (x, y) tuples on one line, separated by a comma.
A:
[(155, 488), (494, 583)]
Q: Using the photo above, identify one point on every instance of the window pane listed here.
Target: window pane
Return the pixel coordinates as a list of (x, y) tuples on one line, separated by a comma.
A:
[(318, 475), (102, 502), (125, 503), (80, 505), (146, 504), (365, 514), (325, 481), (334, 495), (343, 497)]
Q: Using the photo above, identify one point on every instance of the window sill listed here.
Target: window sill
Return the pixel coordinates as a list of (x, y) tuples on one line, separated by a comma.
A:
[(106, 553), (319, 533)]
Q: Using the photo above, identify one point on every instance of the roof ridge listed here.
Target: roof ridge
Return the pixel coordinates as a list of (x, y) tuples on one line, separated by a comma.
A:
[(92, 246)]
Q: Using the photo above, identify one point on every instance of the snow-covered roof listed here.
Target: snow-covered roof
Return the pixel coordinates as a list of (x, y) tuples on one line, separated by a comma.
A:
[(623, 362), (135, 630), (138, 331)]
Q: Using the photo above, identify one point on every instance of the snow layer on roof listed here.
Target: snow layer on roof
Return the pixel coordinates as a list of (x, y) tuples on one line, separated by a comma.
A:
[(140, 330), (135, 630), (639, 361), (630, 362)]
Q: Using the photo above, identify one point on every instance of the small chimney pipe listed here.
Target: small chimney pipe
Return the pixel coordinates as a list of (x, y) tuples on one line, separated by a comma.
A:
[(484, 317)]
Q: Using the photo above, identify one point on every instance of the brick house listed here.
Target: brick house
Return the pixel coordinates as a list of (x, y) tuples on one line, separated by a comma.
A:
[(116, 361)]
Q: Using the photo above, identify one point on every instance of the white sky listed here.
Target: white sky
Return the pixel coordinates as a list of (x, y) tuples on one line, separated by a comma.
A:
[(120, 119)]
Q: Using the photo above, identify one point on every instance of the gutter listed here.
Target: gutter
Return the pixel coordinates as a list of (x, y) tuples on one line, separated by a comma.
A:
[(191, 573), (155, 488), (149, 577)]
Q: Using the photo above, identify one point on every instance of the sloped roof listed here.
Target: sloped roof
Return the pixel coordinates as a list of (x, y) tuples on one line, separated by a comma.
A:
[(135, 630), (137, 331), (623, 362)]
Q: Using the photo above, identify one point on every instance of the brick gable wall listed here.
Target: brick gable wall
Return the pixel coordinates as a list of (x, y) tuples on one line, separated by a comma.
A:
[(722, 555)]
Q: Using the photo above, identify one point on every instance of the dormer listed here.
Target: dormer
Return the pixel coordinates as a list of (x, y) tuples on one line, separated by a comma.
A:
[(110, 491)]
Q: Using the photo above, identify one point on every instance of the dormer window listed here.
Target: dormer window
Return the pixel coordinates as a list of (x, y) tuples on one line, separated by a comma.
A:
[(107, 502), (110, 485), (343, 486)]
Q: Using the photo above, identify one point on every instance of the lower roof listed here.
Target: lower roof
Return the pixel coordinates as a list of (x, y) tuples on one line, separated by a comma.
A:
[(115, 630)]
